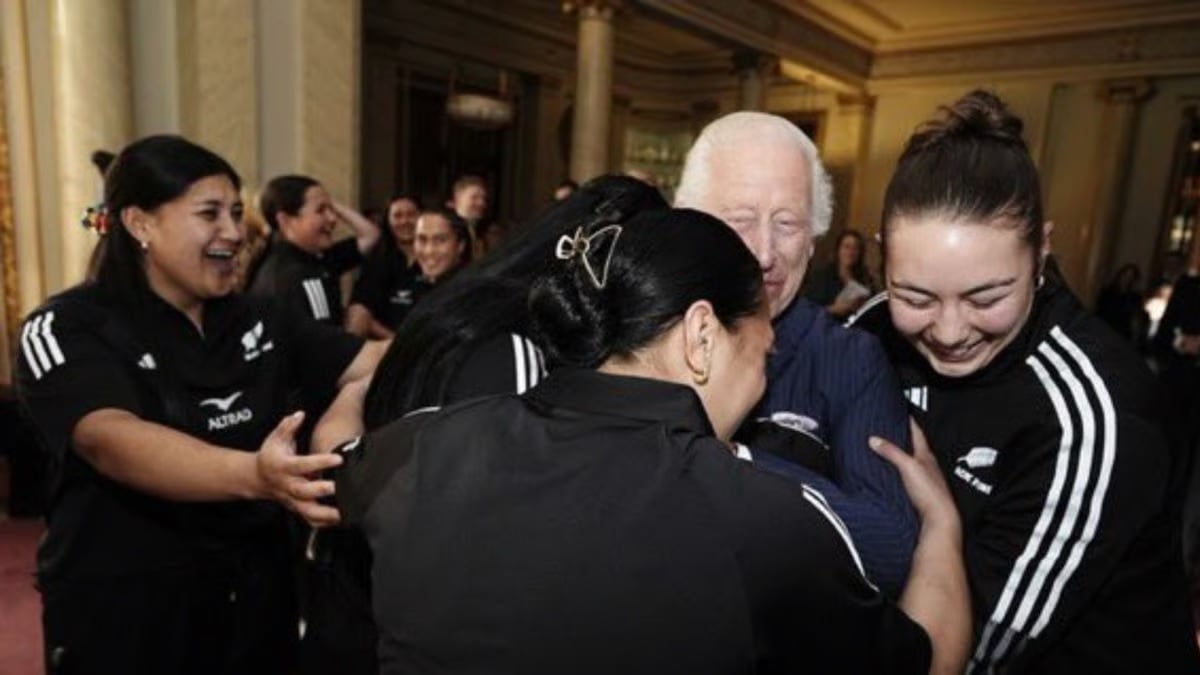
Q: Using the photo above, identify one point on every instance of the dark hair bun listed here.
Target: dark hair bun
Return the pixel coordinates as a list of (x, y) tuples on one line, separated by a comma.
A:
[(979, 115), (571, 322), (662, 262)]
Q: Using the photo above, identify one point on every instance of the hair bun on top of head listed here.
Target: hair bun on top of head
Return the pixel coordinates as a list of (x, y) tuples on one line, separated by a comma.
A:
[(978, 115)]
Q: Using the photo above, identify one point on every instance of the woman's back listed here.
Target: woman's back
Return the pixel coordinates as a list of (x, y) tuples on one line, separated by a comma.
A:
[(598, 527)]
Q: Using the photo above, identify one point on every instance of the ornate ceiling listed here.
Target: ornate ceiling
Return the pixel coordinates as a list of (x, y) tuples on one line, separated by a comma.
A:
[(896, 25), (676, 46)]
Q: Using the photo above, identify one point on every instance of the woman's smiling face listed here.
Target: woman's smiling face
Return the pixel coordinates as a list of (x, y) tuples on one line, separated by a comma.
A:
[(959, 292)]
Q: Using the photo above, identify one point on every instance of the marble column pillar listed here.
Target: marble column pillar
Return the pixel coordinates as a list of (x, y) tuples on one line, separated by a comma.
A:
[(93, 109), (1122, 99), (22, 154), (593, 88), (754, 78)]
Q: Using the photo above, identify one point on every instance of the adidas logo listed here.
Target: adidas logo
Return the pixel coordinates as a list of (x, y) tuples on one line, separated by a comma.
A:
[(918, 396)]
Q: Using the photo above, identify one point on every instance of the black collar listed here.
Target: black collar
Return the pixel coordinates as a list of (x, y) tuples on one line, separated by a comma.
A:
[(295, 252), (636, 398), (162, 318)]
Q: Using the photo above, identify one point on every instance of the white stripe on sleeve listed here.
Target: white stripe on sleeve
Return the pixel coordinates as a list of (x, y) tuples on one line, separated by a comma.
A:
[(52, 343), (1077, 455), (519, 363), (532, 362), (818, 501), (28, 351), (1108, 457)]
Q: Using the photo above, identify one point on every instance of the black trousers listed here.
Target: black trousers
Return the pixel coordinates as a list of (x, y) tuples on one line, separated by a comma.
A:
[(234, 616)]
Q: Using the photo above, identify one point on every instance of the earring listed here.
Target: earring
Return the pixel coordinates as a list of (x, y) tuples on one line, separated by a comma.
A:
[(701, 376), (1041, 280), (144, 244)]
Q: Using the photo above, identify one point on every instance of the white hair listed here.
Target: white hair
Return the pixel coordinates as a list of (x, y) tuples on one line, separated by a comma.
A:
[(739, 128)]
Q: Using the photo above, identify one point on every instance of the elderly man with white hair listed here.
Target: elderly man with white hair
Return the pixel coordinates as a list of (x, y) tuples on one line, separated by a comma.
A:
[(761, 175)]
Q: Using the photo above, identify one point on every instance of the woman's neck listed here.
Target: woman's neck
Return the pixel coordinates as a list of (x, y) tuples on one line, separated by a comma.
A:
[(187, 304)]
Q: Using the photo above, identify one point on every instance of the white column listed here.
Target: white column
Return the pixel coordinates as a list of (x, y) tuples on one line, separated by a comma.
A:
[(1122, 99), (92, 97)]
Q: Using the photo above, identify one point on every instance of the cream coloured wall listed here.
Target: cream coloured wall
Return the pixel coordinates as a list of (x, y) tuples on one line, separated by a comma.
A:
[(217, 83), (330, 44), (1069, 176)]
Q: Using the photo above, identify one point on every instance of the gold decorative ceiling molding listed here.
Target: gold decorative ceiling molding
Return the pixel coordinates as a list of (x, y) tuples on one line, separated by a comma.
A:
[(1138, 51), (887, 26), (676, 48)]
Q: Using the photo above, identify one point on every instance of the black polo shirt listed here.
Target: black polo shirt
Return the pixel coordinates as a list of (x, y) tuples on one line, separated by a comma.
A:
[(594, 525), (306, 283), (82, 352), (389, 287)]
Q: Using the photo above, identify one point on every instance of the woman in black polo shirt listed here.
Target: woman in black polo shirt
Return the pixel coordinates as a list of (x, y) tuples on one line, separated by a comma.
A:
[(386, 289), (303, 265), (601, 522), (152, 386)]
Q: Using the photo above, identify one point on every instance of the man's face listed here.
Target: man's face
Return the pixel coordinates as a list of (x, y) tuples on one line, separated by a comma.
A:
[(470, 202), (763, 191)]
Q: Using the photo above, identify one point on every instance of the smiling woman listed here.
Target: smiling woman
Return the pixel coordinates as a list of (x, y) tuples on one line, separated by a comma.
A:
[(1045, 422), (152, 386)]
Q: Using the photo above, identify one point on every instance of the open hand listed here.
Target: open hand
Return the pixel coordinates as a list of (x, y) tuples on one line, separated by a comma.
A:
[(287, 477)]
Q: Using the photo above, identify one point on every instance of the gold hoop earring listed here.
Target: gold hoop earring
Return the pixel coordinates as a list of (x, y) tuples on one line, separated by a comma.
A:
[(701, 378)]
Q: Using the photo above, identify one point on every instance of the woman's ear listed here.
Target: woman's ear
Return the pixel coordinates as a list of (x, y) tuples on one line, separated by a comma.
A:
[(1047, 228), (700, 328), (137, 222)]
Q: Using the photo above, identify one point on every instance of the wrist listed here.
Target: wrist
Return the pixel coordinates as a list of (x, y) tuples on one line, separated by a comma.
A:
[(247, 478), (944, 528)]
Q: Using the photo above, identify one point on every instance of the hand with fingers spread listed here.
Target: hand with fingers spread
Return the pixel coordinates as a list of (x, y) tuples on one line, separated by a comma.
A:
[(288, 478), (936, 595)]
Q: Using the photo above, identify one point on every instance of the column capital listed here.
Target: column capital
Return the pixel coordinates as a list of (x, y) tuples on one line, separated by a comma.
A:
[(1128, 91), (753, 61), (593, 9)]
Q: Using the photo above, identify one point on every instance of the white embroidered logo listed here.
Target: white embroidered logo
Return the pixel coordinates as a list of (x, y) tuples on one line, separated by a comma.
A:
[(404, 296), (227, 419), (975, 459), (223, 404), (147, 362), (794, 421), (979, 458), (252, 342)]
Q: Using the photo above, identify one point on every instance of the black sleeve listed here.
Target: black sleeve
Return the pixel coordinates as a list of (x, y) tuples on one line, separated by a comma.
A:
[(805, 577), (342, 256), (318, 354), (371, 463), (369, 287), (65, 370), (505, 364), (1061, 530)]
